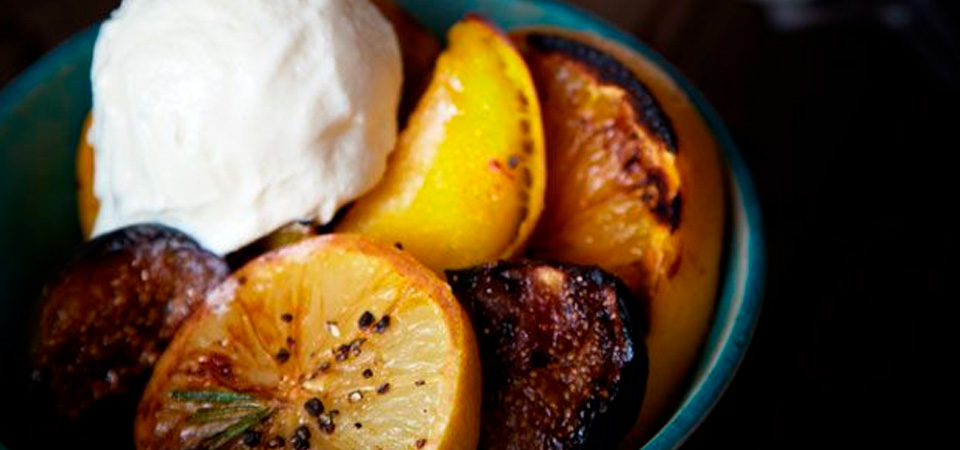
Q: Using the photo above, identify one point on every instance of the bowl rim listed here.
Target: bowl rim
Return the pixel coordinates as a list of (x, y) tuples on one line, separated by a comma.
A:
[(746, 267)]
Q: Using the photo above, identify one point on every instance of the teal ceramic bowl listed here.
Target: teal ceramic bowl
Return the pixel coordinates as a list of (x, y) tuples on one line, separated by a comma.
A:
[(42, 111)]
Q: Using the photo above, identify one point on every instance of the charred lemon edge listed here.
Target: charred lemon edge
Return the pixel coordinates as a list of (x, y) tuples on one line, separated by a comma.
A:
[(537, 161), (692, 288), (463, 429)]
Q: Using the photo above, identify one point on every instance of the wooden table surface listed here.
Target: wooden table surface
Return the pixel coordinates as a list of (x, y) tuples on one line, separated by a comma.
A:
[(847, 130)]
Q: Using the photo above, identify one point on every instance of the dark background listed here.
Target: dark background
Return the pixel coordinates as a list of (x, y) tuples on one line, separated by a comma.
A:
[(846, 114)]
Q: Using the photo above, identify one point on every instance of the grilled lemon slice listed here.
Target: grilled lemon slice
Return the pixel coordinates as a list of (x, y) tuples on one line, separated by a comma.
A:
[(333, 343)]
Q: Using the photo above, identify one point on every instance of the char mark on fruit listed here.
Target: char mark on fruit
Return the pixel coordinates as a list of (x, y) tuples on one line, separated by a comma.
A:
[(609, 70), (664, 208)]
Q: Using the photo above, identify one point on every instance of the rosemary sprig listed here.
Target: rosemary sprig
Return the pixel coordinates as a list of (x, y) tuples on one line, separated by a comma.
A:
[(238, 411), (220, 413), (236, 429), (211, 397)]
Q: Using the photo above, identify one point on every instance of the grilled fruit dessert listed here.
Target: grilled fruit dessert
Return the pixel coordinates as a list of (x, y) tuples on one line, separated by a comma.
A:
[(333, 342), (109, 315), (635, 187), (465, 184), (564, 366)]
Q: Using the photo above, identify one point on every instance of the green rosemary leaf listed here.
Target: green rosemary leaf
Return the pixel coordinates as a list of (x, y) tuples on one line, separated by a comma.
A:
[(210, 397), (216, 414), (243, 424)]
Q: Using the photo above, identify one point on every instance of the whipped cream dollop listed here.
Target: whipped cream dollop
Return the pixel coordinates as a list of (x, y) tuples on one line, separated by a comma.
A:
[(229, 118)]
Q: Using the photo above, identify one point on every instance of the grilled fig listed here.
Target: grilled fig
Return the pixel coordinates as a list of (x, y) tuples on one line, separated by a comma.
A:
[(108, 316), (564, 367)]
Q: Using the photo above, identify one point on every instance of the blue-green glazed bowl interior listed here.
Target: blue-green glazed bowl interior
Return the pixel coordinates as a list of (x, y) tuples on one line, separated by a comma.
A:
[(42, 111)]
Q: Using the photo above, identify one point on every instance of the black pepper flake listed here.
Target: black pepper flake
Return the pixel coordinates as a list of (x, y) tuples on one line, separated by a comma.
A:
[(341, 353), (367, 373), (283, 356), (299, 444), (287, 317), (419, 382), (382, 324), (325, 422), (383, 389), (420, 443), (358, 425), (276, 442), (513, 161), (398, 245), (330, 428), (250, 438), (314, 407), (303, 433), (355, 346), (366, 319)]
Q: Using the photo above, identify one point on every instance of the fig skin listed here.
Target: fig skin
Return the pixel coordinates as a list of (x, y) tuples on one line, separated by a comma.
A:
[(104, 321), (564, 364)]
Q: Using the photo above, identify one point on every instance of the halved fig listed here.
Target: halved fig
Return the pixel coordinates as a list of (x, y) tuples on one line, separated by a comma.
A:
[(109, 315), (564, 366), (465, 183), (636, 187), (333, 342)]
